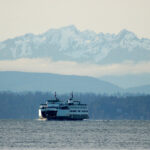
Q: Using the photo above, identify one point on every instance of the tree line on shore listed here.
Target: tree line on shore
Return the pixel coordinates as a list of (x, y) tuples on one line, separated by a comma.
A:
[(25, 105)]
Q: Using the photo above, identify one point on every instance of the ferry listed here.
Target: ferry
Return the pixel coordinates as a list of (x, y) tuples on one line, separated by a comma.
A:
[(70, 109)]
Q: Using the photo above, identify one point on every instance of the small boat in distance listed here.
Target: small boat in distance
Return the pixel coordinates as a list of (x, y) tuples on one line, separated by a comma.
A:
[(56, 109)]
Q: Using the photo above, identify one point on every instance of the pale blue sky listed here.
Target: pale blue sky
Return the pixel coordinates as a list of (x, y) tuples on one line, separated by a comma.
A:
[(18, 17)]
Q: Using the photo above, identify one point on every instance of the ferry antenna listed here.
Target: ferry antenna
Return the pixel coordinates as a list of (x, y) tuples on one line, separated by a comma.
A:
[(71, 96), (55, 95)]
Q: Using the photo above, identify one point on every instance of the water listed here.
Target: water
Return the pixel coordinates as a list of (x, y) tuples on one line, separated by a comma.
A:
[(73, 135)]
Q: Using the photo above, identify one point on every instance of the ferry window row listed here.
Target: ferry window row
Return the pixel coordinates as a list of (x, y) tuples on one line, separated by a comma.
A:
[(79, 107), (78, 111)]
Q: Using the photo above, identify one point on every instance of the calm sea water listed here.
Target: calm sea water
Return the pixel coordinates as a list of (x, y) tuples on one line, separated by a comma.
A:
[(73, 135)]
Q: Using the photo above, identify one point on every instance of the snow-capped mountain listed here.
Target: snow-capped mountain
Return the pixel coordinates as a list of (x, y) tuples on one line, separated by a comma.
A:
[(68, 43)]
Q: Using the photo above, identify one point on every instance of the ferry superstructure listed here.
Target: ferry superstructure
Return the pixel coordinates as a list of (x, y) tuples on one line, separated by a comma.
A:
[(56, 109)]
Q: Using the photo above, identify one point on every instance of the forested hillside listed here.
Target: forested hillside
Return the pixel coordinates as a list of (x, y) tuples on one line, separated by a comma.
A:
[(25, 105)]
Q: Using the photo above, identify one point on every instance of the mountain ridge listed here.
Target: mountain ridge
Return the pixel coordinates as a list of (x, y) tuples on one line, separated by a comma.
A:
[(69, 43), (144, 89), (18, 81), (27, 81)]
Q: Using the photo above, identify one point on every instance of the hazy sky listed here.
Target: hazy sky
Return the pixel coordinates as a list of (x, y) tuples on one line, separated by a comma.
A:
[(74, 68), (18, 17)]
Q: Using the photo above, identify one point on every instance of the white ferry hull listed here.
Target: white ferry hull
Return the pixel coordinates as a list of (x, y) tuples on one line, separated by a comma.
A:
[(51, 115)]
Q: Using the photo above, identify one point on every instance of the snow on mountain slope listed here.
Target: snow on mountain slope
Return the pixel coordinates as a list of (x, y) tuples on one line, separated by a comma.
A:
[(68, 43)]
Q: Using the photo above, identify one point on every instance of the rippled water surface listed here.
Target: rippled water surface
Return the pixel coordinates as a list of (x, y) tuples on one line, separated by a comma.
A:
[(58, 135)]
